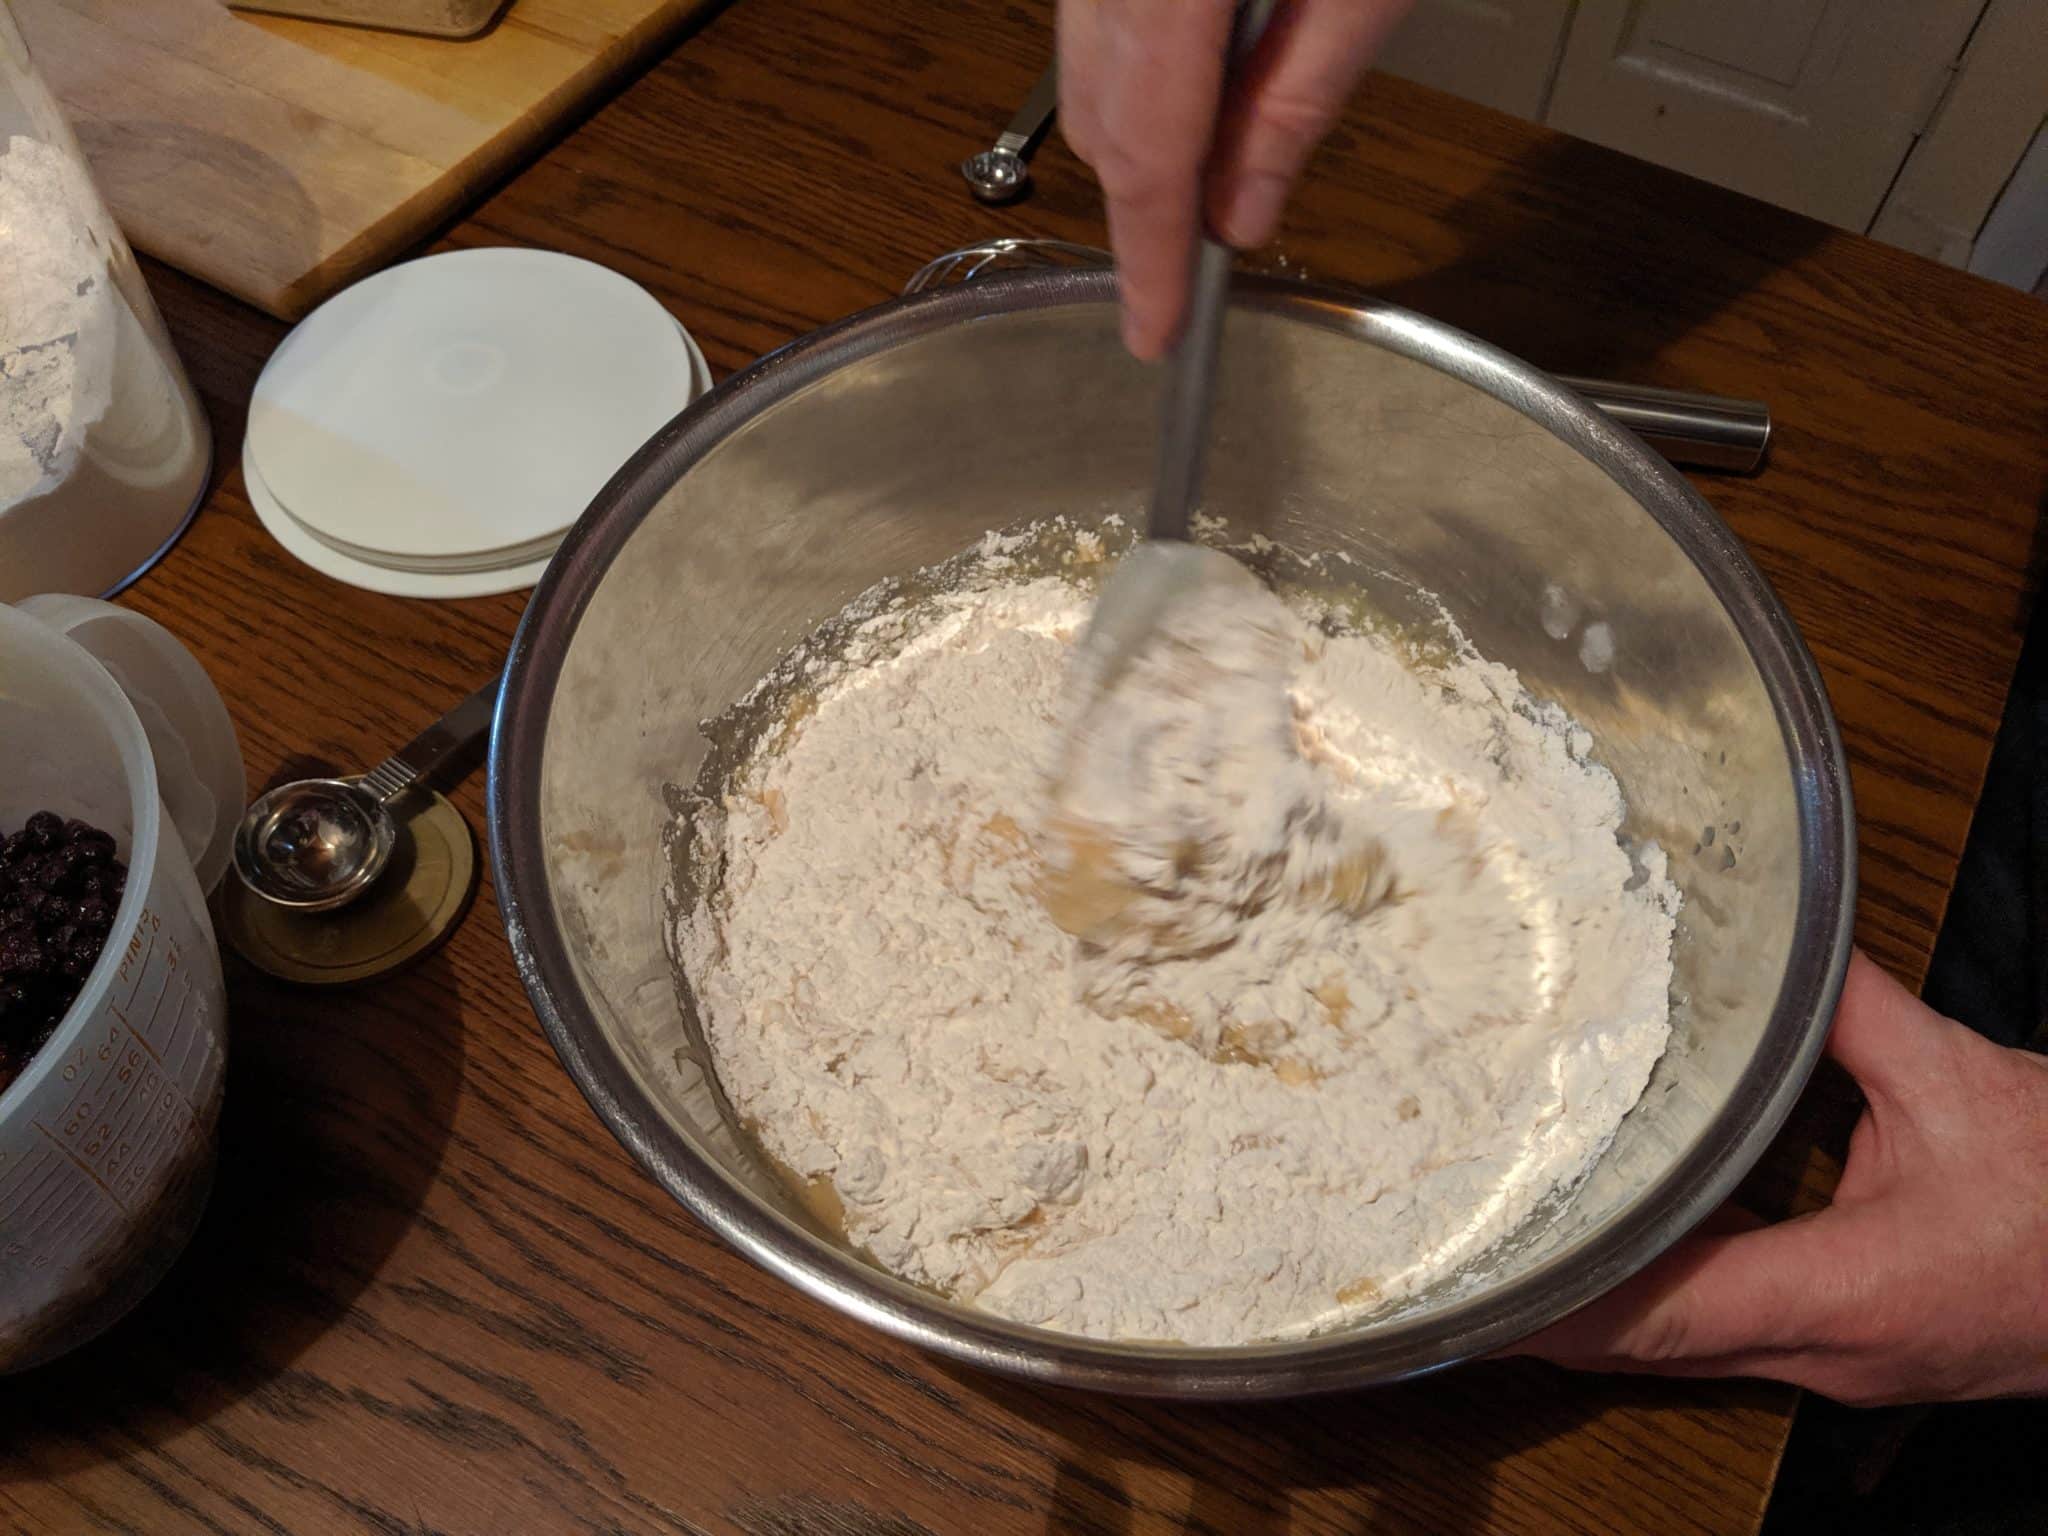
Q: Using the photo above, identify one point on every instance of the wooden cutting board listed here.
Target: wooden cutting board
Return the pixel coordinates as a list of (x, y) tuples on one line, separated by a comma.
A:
[(282, 159)]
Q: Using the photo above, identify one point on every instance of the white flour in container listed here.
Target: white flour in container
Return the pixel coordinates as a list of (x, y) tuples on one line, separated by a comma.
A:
[(1364, 972), (102, 452), (56, 328)]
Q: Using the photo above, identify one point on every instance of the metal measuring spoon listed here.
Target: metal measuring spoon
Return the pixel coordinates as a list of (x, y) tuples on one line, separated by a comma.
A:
[(1002, 174), (317, 844)]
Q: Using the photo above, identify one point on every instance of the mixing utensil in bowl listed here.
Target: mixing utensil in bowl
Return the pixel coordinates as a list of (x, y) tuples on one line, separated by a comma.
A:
[(317, 844), (1432, 475), (1168, 568)]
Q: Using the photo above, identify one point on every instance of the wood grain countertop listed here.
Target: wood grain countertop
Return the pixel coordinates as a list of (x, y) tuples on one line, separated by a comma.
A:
[(432, 1294)]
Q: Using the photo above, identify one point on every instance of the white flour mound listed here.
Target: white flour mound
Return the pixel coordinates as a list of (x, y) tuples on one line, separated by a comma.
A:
[(1353, 972), (56, 317), (103, 450)]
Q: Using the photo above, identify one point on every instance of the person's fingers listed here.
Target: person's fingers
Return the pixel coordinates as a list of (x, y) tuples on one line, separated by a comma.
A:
[(1719, 1301), (1080, 46), (1157, 130), (1725, 1301), (1295, 87), (1893, 1044), (1149, 76), (1589, 1330), (1152, 231), (1141, 82)]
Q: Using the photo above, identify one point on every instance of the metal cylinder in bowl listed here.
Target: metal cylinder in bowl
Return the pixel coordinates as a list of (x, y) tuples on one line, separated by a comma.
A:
[(1427, 468)]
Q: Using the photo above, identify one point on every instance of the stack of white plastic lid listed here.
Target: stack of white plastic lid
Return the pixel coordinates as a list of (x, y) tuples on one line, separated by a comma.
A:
[(434, 430)]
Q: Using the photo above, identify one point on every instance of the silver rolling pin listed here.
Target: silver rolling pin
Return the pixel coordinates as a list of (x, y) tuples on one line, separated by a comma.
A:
[(1700, 431)]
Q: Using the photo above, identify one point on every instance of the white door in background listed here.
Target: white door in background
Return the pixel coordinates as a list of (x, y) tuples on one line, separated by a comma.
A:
[(1498, 52), (1810, 104)]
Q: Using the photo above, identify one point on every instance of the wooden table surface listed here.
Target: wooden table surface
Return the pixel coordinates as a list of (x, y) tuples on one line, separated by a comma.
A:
[(432, 1294)]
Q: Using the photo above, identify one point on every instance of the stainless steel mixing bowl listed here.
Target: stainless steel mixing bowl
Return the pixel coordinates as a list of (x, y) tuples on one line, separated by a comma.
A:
[(893, 440)]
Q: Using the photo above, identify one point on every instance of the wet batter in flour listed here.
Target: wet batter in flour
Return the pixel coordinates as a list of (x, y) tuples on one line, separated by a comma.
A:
[(1286, 988)]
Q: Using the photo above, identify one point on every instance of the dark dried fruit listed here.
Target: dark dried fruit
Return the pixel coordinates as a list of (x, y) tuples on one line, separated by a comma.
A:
[(92, 843), (21, 953), (63, 868), (60, 887)]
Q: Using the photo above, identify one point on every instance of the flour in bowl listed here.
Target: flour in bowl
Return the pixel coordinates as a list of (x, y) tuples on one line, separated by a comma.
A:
[(1314, 973)]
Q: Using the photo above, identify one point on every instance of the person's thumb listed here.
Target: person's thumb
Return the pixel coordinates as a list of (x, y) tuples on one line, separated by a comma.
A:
[(1749, 1302), (1894, 1045), (1295, 88), (1717, 1301)]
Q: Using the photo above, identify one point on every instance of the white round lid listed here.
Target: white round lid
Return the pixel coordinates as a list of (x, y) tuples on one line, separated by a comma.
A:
[(466, 403), (292, 534), (372, 576)]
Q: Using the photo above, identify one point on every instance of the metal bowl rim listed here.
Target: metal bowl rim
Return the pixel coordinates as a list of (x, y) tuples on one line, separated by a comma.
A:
[(1485, 1322)]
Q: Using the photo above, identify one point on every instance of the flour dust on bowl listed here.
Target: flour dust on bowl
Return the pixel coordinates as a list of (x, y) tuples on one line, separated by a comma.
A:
[(1397, 468)]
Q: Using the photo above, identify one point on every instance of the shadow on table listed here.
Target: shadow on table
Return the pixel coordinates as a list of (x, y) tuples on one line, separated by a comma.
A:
[(335, 1116), (1587, 262), (1419, 1456)]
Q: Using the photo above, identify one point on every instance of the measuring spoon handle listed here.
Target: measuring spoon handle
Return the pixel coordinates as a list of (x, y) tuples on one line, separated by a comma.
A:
[(463, 726), (1032, 117)]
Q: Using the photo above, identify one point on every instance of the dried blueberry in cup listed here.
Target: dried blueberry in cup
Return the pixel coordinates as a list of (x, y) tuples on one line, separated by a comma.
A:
[(59, 885)]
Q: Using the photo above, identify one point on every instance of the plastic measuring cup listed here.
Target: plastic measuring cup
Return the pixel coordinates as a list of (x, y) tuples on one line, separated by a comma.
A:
[(107, 1137)]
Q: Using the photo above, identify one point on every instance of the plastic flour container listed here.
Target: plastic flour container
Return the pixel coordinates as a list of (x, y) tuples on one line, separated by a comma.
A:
[(104, 450)]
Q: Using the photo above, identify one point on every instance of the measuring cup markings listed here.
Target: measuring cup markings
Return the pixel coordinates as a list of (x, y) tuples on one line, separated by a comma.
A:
[(43, 1225), (57, 1210), (107, 1140), (168, 1052), (129, 1107)]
